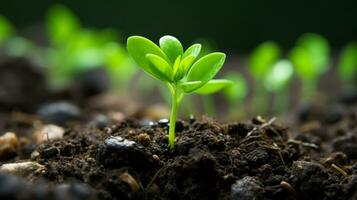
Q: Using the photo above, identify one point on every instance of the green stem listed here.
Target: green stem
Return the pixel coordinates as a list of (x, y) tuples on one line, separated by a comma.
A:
[(176, 100), (308, 91), (208, 105)]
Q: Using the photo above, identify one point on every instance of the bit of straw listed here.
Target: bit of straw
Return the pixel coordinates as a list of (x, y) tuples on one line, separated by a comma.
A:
[(339, 169)]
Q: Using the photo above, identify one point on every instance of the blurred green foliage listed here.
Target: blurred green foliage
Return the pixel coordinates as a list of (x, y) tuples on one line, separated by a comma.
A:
[(310, 57), (6, 29), (75, 49), (262, 58), (347, 64)]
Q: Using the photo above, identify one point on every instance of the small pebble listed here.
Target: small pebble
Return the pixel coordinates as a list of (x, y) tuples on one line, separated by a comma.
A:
[(156, 157), (148, 123), (58, 112), (117, 151), (49, 132), (163, 122), (99, 121), (21, 169), (50, 152), (8, 145), (130, 180), (144, 139)]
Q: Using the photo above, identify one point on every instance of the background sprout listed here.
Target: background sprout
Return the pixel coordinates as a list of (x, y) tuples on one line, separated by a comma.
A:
[(178, 69), (277, 80), (235, 94), (6, 29), (310, 58), (61, 24), (260, 61), (347, 66)]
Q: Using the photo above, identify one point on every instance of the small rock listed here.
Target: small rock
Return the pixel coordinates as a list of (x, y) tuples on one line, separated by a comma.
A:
[(156, 157), (34, 155), (49, 132), (73, 192), (247, 188), (163, 122), (147, 123), (144, 139), (58, 112), (22, 169), (50, 152), (117, 151), (128, 179), (8, 145), (346, 144), (99, 121)]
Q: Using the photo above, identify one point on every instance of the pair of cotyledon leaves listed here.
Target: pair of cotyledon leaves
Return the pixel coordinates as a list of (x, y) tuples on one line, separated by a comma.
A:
[(170, 63)]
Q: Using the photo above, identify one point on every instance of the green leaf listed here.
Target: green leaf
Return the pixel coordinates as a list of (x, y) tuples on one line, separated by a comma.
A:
[(61, 24), (238, 90), (303, 64), (189, 87), (178, 70), (206, 68), (262, 58), (347, 65), (318, 47), (186, 63), (193, 50), (278, 78), (160, 68), (6, 29), (213, 86), (171, 47), (138, 47)]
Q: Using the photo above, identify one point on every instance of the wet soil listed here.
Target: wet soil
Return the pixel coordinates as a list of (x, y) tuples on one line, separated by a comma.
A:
[(257, 159)]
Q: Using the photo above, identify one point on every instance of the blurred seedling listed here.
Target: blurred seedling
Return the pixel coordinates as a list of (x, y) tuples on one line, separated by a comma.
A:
[(310, 58), (178, 69), (347, 67), (235, 94), (75, 50), (277, 81), (261, 61)]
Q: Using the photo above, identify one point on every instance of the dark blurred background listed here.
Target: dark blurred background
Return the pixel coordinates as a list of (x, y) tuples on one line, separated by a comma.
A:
[(234, 25)]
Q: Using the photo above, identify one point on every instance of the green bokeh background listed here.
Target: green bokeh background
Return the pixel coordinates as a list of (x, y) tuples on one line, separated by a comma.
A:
[(235, 25)]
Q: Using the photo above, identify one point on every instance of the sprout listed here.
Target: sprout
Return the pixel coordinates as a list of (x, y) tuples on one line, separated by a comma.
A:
[(235, 93), (260, 62), (347, 65), (178, 69), (277, 81), (310, 58), (61, 24), (6, 29)]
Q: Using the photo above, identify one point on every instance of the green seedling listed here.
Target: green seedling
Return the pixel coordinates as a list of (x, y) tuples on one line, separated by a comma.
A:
[(347, 66), (310, 58), (277, 81), (6, 29), (261, 61), (75, 49), (235, 94), (178, 69)]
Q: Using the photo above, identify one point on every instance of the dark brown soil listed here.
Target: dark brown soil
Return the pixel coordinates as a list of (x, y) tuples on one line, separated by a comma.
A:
[(259, 159)]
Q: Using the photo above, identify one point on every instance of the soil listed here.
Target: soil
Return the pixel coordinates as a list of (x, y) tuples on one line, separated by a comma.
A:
[(96, 152), (258, 159)]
